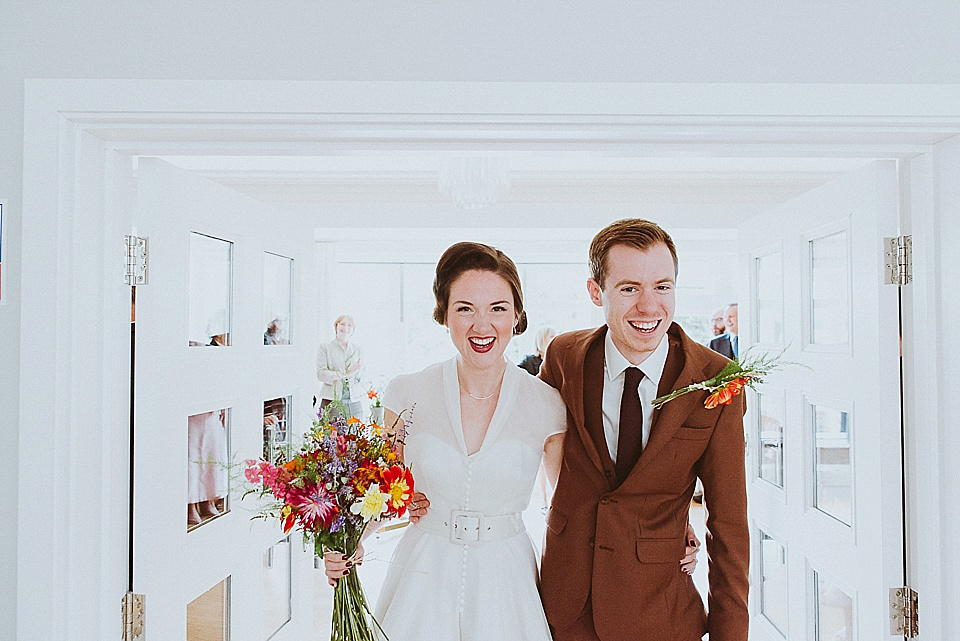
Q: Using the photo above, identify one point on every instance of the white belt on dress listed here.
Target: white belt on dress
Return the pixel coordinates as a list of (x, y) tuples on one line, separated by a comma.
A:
[(471, 528)]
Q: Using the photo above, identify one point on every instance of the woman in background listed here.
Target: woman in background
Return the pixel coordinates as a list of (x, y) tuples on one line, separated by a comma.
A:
[(339, 363)]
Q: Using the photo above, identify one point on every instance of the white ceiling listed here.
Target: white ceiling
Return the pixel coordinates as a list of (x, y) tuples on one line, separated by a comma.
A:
[(689, 188)]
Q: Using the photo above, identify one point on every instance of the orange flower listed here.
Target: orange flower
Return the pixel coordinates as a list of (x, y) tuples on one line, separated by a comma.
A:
[(295, 465), (353, 421), (724, 395), (365, 475), (371, 394), (714, 399)]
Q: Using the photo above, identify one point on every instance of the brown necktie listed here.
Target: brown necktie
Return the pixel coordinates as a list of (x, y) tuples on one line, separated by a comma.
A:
[(630, 441)]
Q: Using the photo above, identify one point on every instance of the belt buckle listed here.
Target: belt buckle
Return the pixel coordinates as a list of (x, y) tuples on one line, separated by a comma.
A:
[(465, 527)]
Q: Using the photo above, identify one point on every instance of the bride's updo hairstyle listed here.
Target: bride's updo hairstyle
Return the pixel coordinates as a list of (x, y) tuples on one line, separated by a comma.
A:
[(465, 257)]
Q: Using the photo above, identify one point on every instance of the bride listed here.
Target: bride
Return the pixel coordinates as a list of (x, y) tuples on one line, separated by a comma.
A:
[(477, 431)]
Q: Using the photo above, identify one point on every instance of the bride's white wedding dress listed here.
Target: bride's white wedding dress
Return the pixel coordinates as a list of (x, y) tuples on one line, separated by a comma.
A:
[(468, 571)]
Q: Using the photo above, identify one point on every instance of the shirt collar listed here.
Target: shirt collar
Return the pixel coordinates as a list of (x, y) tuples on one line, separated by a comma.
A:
[(615, 363)]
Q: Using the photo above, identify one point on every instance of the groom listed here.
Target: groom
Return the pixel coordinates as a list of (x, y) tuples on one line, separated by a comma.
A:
[(615, 530)]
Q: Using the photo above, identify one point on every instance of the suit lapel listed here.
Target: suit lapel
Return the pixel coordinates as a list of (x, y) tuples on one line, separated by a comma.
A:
[(679, 371), (594, 379), (586, 386)]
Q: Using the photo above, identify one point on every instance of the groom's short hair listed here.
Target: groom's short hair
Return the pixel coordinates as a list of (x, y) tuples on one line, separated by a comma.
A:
[(633, 232), (465, 256)]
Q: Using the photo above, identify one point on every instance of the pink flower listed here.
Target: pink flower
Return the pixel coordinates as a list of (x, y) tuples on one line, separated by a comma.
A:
[(314, 506), (252, 473)]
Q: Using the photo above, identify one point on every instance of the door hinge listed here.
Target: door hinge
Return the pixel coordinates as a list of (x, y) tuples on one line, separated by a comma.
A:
[(135, 267), (133, 612), (898, 260), (904, 612)]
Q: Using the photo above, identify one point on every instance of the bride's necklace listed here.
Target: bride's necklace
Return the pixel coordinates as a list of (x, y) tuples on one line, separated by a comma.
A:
[(488, 396), (479, 398)]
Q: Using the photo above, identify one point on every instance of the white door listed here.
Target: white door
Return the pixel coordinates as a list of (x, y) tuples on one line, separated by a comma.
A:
[(227, 276), (823, 436)]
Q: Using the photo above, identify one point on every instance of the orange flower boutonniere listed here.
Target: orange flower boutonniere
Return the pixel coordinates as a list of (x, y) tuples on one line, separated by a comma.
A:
[(735, 375)]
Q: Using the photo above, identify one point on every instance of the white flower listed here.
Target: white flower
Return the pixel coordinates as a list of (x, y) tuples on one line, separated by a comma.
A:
[(372, 504)]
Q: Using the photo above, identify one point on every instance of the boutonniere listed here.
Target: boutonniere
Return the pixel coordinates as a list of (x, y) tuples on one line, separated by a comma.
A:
[(735, 375)]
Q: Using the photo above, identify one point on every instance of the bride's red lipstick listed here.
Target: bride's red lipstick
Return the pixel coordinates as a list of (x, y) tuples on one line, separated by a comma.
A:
[(481, 349)]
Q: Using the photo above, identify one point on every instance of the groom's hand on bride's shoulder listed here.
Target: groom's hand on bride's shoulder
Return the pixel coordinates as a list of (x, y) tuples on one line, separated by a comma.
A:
[(418, 506)]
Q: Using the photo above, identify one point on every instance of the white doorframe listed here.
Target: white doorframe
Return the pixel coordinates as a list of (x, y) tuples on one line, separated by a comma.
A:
[(930, 188), (76, 207)]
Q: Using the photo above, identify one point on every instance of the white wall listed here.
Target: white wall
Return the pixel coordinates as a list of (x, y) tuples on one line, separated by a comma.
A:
[(888, 42)]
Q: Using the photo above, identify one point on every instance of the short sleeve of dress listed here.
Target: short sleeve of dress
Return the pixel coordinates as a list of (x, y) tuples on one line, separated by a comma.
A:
[(557, 423), (546, 404)]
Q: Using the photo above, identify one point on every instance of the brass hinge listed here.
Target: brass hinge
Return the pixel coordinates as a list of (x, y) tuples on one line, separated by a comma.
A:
[(133, 612), (898, 260), (904, 612), (135, 266)]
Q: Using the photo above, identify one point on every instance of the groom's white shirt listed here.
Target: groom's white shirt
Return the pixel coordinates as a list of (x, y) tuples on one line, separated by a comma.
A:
[(614, 366)]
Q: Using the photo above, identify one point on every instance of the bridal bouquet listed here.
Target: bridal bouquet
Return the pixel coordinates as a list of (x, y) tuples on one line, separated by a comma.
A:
[(346, 474)]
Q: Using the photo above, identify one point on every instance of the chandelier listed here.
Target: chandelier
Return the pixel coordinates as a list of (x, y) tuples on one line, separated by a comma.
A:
[(473, 183)]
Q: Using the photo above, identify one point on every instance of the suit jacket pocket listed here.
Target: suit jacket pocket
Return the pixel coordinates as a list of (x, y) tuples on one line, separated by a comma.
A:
[(556, 520), (690, 433), (660, 550)]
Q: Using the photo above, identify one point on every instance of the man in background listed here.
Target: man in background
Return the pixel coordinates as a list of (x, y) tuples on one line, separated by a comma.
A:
[(717, 323), (728, 342)]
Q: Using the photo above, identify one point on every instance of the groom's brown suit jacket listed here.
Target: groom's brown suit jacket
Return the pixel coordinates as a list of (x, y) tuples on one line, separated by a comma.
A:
[(617, 549)]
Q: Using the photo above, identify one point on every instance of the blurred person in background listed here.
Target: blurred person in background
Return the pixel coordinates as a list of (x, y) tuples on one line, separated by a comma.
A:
[(339, 363), (532, 362)]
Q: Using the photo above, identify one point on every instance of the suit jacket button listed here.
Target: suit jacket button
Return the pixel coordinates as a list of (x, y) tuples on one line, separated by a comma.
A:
[(604, 501), (592, 541)]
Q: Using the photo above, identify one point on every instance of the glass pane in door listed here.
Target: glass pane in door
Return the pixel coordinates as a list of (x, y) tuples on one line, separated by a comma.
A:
[(834, 607), (829, 304), (769, 319), (276, 435), (208, 453), (277, 285), (208, 615), (276, 588), (833, 472), (771, 413), (773, 589), (209, 302)]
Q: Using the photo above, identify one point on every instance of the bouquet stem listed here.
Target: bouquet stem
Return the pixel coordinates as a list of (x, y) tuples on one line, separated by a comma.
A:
[(351, 613)]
